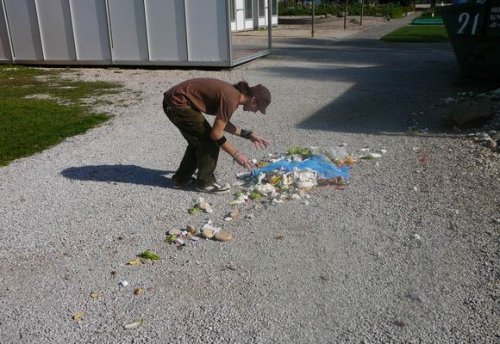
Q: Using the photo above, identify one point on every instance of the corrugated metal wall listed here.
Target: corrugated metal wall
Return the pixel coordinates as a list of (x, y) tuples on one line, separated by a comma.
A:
[(116, 32)]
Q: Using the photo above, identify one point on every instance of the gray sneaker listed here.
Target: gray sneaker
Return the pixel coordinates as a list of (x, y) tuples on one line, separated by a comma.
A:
[(215, 188)]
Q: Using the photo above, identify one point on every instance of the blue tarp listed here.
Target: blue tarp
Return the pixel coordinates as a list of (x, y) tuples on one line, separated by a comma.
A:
[(319, 163)]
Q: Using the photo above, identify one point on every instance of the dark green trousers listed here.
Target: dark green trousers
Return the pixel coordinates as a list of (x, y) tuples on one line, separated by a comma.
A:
[(201, 153)]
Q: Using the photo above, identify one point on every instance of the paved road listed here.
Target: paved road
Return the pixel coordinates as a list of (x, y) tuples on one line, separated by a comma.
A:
[(407, 253)]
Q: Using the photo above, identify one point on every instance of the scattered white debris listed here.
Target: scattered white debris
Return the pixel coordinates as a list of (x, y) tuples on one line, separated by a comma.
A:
[(180, 241), (305, 179), (208, 225), (290, 183), (135, 324), (204, 205), (175, 231), (223, 236), (240, 199), (275, 201), (243, 175)]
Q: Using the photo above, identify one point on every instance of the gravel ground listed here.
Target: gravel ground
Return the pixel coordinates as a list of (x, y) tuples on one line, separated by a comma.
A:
[(407, 253)]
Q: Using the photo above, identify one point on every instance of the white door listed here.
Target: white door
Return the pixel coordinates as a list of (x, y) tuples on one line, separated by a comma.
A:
[(262, 13), (240, 15), (232, 14), (249, 13)]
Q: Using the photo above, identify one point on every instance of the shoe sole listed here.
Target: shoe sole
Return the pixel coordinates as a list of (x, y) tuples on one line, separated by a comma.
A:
[(215, 192)]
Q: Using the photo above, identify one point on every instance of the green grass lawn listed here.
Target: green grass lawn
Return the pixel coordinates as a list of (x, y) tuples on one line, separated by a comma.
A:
[(418, 34), (39, 109)]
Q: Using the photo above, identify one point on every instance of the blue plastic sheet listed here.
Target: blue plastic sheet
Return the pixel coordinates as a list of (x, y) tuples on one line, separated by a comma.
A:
[(319, 163)]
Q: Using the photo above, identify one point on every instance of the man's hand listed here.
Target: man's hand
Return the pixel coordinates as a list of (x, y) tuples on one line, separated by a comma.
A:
[(259, 142), (242, 160)]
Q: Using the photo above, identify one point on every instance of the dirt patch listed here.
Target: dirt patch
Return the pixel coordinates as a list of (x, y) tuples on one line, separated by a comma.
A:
[(330, 26), (301, 27)]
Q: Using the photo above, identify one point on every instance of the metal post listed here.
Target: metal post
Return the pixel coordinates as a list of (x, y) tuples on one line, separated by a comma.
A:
[(229, 32), (345, 15), (270, 23), (361, 19), (312, 19)]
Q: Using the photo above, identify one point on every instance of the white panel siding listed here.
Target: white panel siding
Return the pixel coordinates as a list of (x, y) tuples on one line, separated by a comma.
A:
[(166, 28), (56, 30), (90, 28)]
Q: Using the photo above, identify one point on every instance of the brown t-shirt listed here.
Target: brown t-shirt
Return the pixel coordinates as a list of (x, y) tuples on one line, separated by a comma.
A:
[(210, 96)]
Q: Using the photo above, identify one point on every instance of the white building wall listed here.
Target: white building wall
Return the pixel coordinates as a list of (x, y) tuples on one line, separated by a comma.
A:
[(207, 30), (90, 29), (136, 32), (241, 21), (56, 31), (23, 28), (5, 52), (127, 25), (161, 17)]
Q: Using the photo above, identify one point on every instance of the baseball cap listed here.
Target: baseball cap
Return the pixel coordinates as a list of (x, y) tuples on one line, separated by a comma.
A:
[(262, 95)]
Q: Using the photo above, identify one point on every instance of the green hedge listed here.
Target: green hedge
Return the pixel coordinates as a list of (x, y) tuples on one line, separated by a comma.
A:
[(386, 10)]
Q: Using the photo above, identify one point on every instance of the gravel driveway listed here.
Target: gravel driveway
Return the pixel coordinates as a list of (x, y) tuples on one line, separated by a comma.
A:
[(406, 253)]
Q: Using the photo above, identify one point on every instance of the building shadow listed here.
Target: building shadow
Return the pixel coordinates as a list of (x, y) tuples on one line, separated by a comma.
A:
[(394, 85), (129, 174)]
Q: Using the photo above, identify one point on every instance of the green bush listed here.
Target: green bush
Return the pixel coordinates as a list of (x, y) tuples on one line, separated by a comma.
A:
[(392, 11), (293, 11), (386, 10)]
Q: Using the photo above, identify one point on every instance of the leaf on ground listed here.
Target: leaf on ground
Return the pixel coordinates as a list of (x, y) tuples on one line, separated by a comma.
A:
[(194, 210), (135, 324), (255, 196), (171, 238), (304, 152), (148, 254), (135, 261), (78, 316)]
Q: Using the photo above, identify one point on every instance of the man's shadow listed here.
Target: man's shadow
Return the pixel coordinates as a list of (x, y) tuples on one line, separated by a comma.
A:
[(130, 174)]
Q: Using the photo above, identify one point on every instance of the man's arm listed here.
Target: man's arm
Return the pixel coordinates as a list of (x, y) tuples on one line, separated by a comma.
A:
[(217, 134), (232, 129), (258, 141)]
